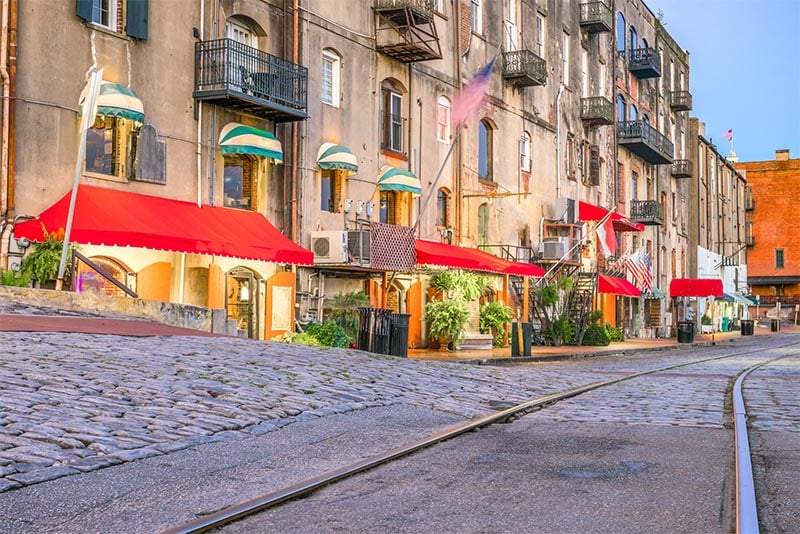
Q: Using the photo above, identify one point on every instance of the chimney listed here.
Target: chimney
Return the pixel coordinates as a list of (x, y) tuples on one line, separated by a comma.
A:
[(782, 154)]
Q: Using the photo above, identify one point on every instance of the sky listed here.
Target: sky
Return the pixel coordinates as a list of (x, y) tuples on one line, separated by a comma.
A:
[(744, 70)]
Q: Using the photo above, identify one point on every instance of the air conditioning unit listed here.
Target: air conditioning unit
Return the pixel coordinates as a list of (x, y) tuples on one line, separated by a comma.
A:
[(554, 248), (329, 246), (359, 245)]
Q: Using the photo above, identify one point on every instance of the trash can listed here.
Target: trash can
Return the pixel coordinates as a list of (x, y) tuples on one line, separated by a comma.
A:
[(525, 332), (776, 325), (379, 336), (747, 327), (398, 334), (685, 331), (725, 324), (364, 327)]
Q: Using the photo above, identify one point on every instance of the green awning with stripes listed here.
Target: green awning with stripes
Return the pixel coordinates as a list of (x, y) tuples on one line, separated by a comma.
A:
[(238, 138), (395, 179), (115, 100), (336, 157)]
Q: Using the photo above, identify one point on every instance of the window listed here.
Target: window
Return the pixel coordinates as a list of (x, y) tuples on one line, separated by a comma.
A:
[(485, 151), (565, 59), (585, 73), (634, 39), (634, 113), (510, 25), (779, 258), (540, 28), (331, 185), (111, 146), (634, 184), (107, 13), (620, 32), (483, 225), (330, 78), (620, 190), (621, 108), (569, 159), (240, 187), (477, 17), (525, 152), (443, 119), (438, 6), (392, 121), (395, 207), (664, 203), (674, 206), (442, 215)]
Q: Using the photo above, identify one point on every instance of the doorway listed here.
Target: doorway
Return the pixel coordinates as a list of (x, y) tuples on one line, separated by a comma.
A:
[(242, 300)]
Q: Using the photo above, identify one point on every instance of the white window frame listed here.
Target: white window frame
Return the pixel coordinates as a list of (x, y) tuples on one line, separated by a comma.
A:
[(443, 119), (540, 35), (239, 33), (565, 60), (331, 78), (110, 8), (525, 152), (476, 18), (511, 36)]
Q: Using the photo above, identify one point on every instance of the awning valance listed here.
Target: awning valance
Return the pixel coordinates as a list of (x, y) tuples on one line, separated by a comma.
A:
[(616, 286), (115, 100), (118, 218), (444, 255), (396, 179), (654, 294), (336, 157), (736, 298), (590, 212), (695, 287), (238, 138)]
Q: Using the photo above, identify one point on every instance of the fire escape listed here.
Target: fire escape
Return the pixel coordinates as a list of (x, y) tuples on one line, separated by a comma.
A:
[(406, 30)]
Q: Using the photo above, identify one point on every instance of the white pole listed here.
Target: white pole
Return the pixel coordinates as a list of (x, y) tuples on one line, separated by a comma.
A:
[(87, 119)]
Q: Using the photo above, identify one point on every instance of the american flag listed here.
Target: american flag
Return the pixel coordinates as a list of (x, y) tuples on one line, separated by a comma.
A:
[(729, 135), (471, 97), (638, 264)]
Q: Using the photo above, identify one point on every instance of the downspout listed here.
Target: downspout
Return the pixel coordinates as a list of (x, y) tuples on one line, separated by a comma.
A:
[(200, 122), (558, 141), (459, 202), (6, 156), (295, 59)]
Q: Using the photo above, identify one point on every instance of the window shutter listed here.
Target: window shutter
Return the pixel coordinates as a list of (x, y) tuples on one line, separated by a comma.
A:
[(84, 9), (137, 18), (594, 165)]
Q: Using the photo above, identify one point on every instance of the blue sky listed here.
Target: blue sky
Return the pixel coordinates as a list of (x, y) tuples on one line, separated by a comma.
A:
[(744, 61)]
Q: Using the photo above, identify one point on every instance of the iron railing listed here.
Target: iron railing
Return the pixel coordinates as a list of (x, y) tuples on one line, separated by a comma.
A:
[(641, 132), (420, 7), (524, 68), (680, 100), (648, 212), (596, 17), (644, 63), (682, 168), (597, 109)]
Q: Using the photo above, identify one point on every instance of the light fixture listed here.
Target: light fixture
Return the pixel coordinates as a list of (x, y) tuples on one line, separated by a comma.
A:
[(244, 293), (370, 208)]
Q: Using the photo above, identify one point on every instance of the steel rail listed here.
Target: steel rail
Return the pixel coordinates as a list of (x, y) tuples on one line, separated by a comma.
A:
[(301, 489)]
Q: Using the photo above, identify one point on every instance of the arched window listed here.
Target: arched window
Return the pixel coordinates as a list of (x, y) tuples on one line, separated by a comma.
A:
[(443, 119), (483, 224), (442, 208), (525, 152), (392, 120), (621, 108), (634, 40), (485, 151), (634, 113), (644, 43), (620, 32), (331, 79)]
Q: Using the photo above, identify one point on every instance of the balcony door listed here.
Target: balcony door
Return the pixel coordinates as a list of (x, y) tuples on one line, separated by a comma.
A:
[(240, 61)]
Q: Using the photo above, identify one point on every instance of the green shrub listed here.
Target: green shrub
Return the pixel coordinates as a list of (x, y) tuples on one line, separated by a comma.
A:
[(43, 262), (614, 333), (495, 315), (596, 334), (304, 338), (562, 327), (446, 319), (14, 278), (329, 334)]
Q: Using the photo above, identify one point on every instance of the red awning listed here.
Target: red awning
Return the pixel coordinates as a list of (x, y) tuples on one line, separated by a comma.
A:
[(617, 286), (444, 255), (695, 287), (119, 218), (590, 212)]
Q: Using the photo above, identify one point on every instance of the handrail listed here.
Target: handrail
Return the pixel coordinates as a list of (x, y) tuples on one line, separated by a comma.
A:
[(105, 274)]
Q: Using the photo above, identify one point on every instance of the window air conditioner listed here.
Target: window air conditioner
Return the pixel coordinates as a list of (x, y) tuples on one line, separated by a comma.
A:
[(554, 248), (329, 246), (358, 245)]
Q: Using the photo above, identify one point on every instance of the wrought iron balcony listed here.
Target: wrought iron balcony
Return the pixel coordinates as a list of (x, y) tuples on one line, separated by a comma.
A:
[(240, 77), (523, 68), (682, 168), (645, 141), (680, 100), (596, 17), (597, 110), (407, 31), (647, 212), (644, 63)]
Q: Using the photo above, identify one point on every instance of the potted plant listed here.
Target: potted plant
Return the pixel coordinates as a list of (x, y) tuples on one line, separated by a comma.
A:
[(493, 317), (42, 263), (446, 321)]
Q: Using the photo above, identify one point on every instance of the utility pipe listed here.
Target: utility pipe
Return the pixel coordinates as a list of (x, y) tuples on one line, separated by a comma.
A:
[(200, 120), (558, 141), (6, 104), (295, 59)]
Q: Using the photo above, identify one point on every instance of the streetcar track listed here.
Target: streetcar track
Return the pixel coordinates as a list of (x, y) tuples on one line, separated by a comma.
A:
[(307, 487)]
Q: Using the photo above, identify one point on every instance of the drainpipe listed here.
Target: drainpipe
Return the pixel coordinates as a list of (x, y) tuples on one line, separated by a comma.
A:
[(558, 140), (200, 121), (295, 58), (457, 162)]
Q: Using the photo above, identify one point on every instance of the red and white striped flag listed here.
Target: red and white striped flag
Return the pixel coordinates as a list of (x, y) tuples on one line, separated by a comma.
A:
[(729, 135), (471, 96), (638, 264), (606, 237)]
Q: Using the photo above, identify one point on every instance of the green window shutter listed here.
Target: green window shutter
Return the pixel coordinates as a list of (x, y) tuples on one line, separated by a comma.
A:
[(137, 18), (84, 9)]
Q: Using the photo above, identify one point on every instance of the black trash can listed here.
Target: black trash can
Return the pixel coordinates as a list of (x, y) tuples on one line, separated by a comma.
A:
[(379, 337), (685, 331), (776, 325), (747, 326), (398, 334), (364, 327)]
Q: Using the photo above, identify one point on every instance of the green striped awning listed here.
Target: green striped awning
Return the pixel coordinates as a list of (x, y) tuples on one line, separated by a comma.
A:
[(237, 138), (394, 179), (336, 157), (115, 100)]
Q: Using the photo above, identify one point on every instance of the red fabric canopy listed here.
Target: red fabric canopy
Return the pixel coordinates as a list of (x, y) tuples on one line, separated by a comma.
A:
[(695, 287), (617, 286), (444, 255), (119, 218), (590, 212)]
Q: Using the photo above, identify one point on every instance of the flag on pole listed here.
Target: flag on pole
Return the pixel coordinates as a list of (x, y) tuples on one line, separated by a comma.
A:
[(606, 236), (638, 264), (471, 96), (729, 135)]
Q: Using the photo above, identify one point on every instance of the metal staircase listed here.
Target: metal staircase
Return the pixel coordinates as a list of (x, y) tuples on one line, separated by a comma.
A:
[(580, 305)]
